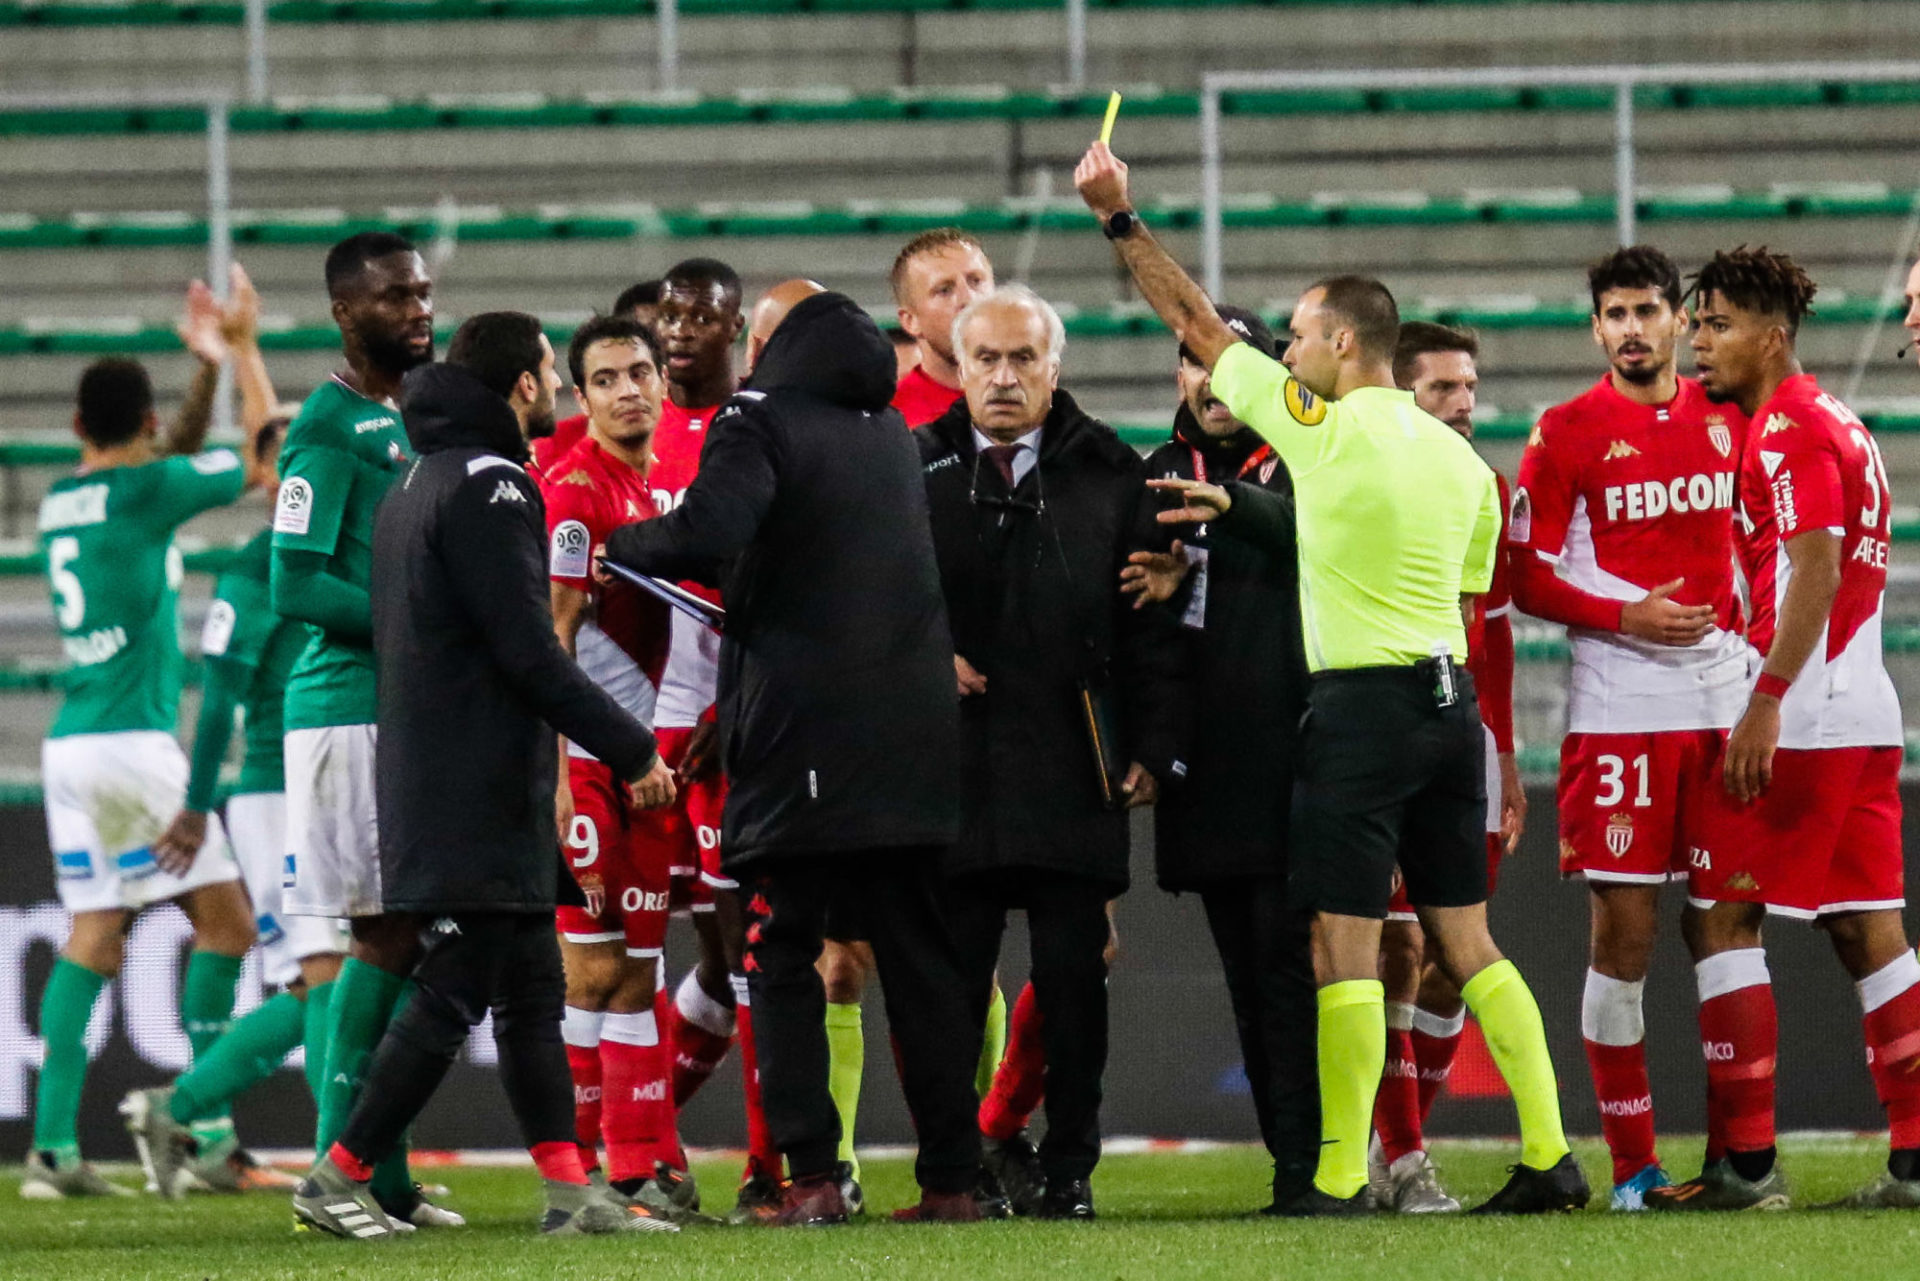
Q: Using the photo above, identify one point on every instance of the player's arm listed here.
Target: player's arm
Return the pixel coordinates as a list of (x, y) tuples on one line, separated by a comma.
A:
[(228, 670), (571, 602), (1542, 510), (199, 329), (240, 326), (723, 508), (307, 517), (1155, 685)]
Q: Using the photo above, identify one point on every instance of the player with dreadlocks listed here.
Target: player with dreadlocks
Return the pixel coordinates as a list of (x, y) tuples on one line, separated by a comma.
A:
[(1811, 809)]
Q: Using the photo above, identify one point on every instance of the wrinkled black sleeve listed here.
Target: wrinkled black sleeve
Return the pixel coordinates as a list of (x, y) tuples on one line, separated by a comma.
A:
[(494, 550), (1259, 517), (1154, 654), (723, 508)]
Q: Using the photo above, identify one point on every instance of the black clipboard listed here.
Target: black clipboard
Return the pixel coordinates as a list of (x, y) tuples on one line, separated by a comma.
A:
[(701, 611)]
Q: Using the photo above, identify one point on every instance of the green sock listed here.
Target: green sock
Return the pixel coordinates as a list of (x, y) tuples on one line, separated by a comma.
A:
[(1510, 1021), (993, 1047), (846, 1059), (364, 997), (314, 1036), (1352, 1048), (206, 1012), (65, 1008), (250, 1052)]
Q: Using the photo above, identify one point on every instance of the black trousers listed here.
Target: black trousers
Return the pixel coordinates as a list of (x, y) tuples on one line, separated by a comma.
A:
[(935, 1035), (1265, 949), (506, 962), (1067, 933)]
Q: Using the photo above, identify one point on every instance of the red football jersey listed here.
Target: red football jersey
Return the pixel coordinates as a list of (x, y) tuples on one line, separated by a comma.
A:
[(567, 435), (589, 493), (920, 400), (1616, 498), (1811, 464), (692, 678)]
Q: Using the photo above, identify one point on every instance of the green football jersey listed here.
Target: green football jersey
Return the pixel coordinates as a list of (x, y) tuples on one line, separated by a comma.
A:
[(341, 453), (108, 541), (243, 631)]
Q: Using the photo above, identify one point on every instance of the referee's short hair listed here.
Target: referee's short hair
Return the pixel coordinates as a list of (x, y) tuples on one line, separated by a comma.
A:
[(1366, 306), (1424, 338), (497, 347)]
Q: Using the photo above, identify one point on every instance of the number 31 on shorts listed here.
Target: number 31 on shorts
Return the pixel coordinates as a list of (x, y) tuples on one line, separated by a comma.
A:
[(1613, 781)]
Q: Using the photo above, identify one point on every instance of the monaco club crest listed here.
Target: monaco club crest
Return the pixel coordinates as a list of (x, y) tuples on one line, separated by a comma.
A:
[(1620, 835), (1720, 434)]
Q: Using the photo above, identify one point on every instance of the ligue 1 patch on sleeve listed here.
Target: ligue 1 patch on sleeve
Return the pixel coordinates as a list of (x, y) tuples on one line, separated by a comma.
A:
[(214, 462), (569, 551), (217, 633), (1306, 408), (1520, 519), (293, 512)]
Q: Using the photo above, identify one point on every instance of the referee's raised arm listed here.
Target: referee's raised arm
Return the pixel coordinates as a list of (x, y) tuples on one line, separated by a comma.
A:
[(1393, 512)]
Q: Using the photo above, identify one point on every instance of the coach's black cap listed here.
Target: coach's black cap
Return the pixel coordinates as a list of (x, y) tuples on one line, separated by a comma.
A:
[(1248, 326)]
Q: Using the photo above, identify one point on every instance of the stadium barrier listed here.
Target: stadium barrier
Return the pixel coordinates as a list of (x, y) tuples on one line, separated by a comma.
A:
[(1174, 1069)]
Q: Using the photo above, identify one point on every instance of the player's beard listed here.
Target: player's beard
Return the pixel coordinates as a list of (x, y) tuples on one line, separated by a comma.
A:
[(541, 422), (1643, 375), (393, 355)]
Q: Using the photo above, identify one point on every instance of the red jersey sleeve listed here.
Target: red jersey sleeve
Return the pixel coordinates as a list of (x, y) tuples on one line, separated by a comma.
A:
[(1802, 467), (1537, 535), (1492, 662), (574, 529)]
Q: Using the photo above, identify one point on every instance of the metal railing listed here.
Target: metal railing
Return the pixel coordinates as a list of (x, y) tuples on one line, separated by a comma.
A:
[(1622, 80)]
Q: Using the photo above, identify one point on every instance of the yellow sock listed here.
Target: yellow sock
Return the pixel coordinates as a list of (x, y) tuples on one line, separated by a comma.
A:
[(993, 1046), (846, 1060), (1510, 1020), (1352, 1045)]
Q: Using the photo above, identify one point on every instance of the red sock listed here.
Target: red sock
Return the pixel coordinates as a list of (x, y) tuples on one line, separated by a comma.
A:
[(699, 1032), (762, 1156), (1396, 1105), (1892, 1023), (580, 1029), (634, 1085), (559, 1162), (667, 1149), (349, 1164), (1021, 1080), (1739, 1035), (1435, 1042), (1626, 1105)]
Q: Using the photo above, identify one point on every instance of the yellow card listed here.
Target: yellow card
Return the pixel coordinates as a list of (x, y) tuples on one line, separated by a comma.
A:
[(1113, 110)]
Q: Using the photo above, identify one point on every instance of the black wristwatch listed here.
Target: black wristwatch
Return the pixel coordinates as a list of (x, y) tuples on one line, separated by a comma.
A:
[(1119, 224)]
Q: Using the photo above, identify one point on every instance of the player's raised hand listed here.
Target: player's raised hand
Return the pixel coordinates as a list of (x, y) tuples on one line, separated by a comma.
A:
[(200, 325), (1664, 621), (180, 844), (654, 789), (1101, 179), (1153, 577), (1199, 501), (240, 317)]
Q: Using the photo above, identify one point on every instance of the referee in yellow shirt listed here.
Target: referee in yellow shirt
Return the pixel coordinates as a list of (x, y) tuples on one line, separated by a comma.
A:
[(1398, 521)]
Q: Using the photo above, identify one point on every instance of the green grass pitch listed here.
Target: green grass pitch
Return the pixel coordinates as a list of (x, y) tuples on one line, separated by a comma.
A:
[(1162, 1216)]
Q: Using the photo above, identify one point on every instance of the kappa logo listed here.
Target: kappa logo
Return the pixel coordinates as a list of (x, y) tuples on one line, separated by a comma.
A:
[(1776, 422), (633, 509), (1720, 434), (1620, 834), (507, 492), (1620, 449), (1744, 882), (1569, 856)]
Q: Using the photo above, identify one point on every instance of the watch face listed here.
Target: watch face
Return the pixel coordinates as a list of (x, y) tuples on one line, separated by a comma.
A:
[(1119, 224)]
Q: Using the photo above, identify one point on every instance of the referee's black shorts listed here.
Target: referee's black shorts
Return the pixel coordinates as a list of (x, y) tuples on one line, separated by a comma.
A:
[(1386, 776)]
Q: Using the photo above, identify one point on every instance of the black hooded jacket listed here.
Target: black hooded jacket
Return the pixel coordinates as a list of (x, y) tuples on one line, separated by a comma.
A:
[(473, 682), (837, 707), (1032, 580), (1250, 670)]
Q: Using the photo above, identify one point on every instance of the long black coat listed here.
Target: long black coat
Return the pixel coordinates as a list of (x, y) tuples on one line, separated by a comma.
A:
[(473, 683), (837, 709), (1034, 599), (1250, 670)]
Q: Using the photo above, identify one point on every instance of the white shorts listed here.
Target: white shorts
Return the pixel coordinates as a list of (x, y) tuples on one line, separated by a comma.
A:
[(333, 849), (257, 826), (109, 797)]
